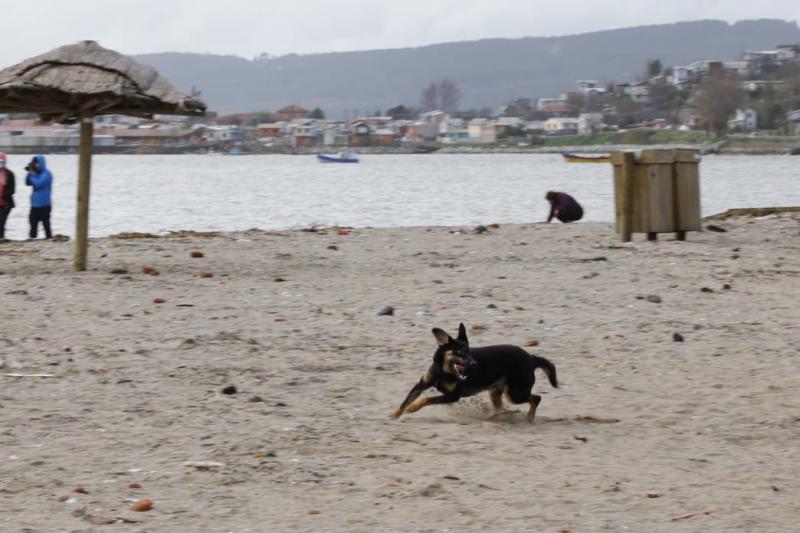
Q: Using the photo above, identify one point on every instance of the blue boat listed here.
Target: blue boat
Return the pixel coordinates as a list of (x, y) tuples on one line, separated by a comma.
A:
[(341, 158)]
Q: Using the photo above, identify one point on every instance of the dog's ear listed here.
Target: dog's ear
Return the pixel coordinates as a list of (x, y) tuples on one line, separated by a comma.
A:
[(441, 337), (462, 333)]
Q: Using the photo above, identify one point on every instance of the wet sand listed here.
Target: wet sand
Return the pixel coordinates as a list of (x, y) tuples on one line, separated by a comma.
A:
[(643, 428)]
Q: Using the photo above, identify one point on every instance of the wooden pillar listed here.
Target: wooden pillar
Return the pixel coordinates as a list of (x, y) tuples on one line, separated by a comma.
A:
[(82, 208), (626, 197), (680, 235)]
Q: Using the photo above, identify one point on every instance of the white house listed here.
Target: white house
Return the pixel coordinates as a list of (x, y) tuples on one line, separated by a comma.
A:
[(590, 87), (793, 117), (681, 75), (639, 92), (589, 123), (561, 125), (482, 130), (744, 120)]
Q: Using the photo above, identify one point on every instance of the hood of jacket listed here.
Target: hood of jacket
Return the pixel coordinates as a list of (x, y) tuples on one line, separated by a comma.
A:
[(42, 163)]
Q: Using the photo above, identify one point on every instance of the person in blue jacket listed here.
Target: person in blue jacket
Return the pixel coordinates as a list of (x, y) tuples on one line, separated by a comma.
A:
[(41, 203)]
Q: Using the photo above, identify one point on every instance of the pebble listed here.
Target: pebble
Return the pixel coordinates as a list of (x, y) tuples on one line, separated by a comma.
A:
[(159, 300), (706, 289), (386, 311), (654, 298), (677, 337), (197, 254), (230, 389), (142, 505)]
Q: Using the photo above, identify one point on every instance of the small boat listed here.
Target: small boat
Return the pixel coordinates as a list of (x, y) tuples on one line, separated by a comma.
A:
[(575, 158), (425, 149), (345, 157)]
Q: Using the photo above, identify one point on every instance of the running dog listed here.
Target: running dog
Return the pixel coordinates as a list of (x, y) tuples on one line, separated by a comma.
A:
[(459, 371)]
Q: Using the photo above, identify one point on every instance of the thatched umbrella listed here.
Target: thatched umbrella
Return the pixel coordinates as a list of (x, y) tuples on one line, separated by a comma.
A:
[(76, 82)]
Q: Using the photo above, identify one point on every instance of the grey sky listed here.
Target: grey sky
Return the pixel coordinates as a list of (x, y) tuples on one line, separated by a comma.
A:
[(247, 28)]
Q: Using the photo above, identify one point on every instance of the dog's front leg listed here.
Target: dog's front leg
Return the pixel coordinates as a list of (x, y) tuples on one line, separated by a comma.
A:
[(424, 383), (430, 400)]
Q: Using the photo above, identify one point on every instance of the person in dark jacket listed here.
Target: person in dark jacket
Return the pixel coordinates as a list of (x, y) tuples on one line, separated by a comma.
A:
[(563, 207), (7, 185), (41, 180)]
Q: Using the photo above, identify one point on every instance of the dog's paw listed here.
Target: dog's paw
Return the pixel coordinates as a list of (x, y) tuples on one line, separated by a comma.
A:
[(395, 415)]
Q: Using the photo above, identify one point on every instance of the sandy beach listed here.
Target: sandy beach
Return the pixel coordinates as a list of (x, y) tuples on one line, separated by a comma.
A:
[(102, 388)]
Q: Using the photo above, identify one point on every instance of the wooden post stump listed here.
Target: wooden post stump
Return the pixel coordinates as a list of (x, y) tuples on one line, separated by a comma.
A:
[(84, 186)]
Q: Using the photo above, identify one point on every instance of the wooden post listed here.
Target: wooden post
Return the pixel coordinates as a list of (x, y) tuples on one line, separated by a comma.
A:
[(626, 197), (680, 234), (82, 208)]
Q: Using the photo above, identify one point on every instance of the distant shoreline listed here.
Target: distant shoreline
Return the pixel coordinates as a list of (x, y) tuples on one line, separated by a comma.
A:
[(721, 148)]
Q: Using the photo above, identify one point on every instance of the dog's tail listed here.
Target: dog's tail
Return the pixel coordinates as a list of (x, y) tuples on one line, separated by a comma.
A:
[(548, 368)]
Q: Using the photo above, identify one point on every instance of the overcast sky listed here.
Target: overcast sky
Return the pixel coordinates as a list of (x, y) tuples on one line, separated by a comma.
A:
[(247, 28)]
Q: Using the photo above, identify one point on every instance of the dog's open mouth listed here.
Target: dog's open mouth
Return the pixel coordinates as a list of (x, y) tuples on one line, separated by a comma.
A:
[(460, 371)]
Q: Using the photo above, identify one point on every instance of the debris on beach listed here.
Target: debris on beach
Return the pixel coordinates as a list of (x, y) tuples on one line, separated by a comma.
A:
[(118, 270), (135, 235), (386, 311), (717, 229), (342, 231), (653, 298), (706, 289), (333, 247), (532, 342), (80, 490), (159, 300), (197, 254), (480, 229), (677, 337), (691, 515), (142, 505), (205, 274), (229, 390), (134, 486), (203, 465)]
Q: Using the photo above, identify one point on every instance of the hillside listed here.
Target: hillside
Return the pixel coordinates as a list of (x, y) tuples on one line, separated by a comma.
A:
[(489, 72)]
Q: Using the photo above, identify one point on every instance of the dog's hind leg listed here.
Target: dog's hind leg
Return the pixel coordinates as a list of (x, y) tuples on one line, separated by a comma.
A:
[(520, 392), (535, 400), (496, 397)]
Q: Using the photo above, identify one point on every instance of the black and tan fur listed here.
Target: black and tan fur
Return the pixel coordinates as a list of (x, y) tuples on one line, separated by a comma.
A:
[(459, 371)]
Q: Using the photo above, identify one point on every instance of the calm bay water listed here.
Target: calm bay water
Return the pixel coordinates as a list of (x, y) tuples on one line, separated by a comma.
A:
[(200, 192)]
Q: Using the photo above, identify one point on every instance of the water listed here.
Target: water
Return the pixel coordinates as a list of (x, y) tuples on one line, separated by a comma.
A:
[(201, 192)]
